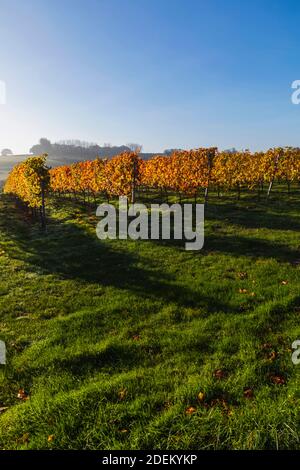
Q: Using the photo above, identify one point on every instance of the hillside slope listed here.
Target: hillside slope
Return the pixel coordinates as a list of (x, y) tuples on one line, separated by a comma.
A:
[(121, 344)]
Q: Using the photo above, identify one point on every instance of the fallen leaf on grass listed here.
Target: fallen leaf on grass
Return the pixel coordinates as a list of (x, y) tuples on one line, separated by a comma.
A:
[(272, 356), (50, 438), (190, 410), (248, 392), (136, 337), (245, 291), (220, 374), (22, 394), (201, 396), (277, 379), (122, 393), (242, 275)]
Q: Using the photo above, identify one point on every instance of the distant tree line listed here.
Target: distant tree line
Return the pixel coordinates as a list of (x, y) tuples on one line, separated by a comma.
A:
[(81, 149)]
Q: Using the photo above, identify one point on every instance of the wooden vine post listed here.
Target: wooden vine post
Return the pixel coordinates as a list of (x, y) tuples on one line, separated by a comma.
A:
[(43, 205), (210, 159), (276, 162), (42, 172)]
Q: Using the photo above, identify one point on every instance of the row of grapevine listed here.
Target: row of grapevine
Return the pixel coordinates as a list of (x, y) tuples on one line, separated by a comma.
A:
[(184, 172), (29, 181), (113, 177)]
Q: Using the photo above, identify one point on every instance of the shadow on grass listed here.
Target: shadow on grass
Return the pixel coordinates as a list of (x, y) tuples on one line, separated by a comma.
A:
[(68, 251), (250, 247), (259, 216)]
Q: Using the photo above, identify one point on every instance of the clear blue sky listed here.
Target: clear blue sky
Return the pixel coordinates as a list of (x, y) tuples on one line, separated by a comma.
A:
[(164, 73)]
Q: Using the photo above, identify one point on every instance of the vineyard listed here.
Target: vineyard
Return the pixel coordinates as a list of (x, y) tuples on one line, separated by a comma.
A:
[(125, 344), (149, 231), (184, 172)]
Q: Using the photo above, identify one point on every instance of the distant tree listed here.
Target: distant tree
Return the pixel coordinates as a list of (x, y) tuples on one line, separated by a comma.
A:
[(44, 146), (170, 151), (134, 147), (6, 152)]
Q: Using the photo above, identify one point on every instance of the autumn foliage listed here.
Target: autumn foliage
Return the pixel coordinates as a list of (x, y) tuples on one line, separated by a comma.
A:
[(113, 177), (29, 181), (185, 172)]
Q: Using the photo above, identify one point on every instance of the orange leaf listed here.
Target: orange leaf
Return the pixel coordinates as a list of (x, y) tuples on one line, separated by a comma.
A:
[(190, 410), (22, 395), (248, 392), (278, 379)]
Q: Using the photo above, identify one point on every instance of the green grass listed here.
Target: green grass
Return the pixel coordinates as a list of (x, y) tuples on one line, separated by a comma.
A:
[(113, 341)]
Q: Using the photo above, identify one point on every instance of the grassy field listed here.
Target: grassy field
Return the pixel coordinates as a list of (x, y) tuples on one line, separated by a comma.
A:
[(142, 345)]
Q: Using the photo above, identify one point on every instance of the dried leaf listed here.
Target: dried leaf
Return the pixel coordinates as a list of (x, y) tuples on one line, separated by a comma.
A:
[(242, 275), (190, 410), (22, 394), (136, 337), (248, 392), (219, 374), (272, 356), (122, 393), (277, 379)]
